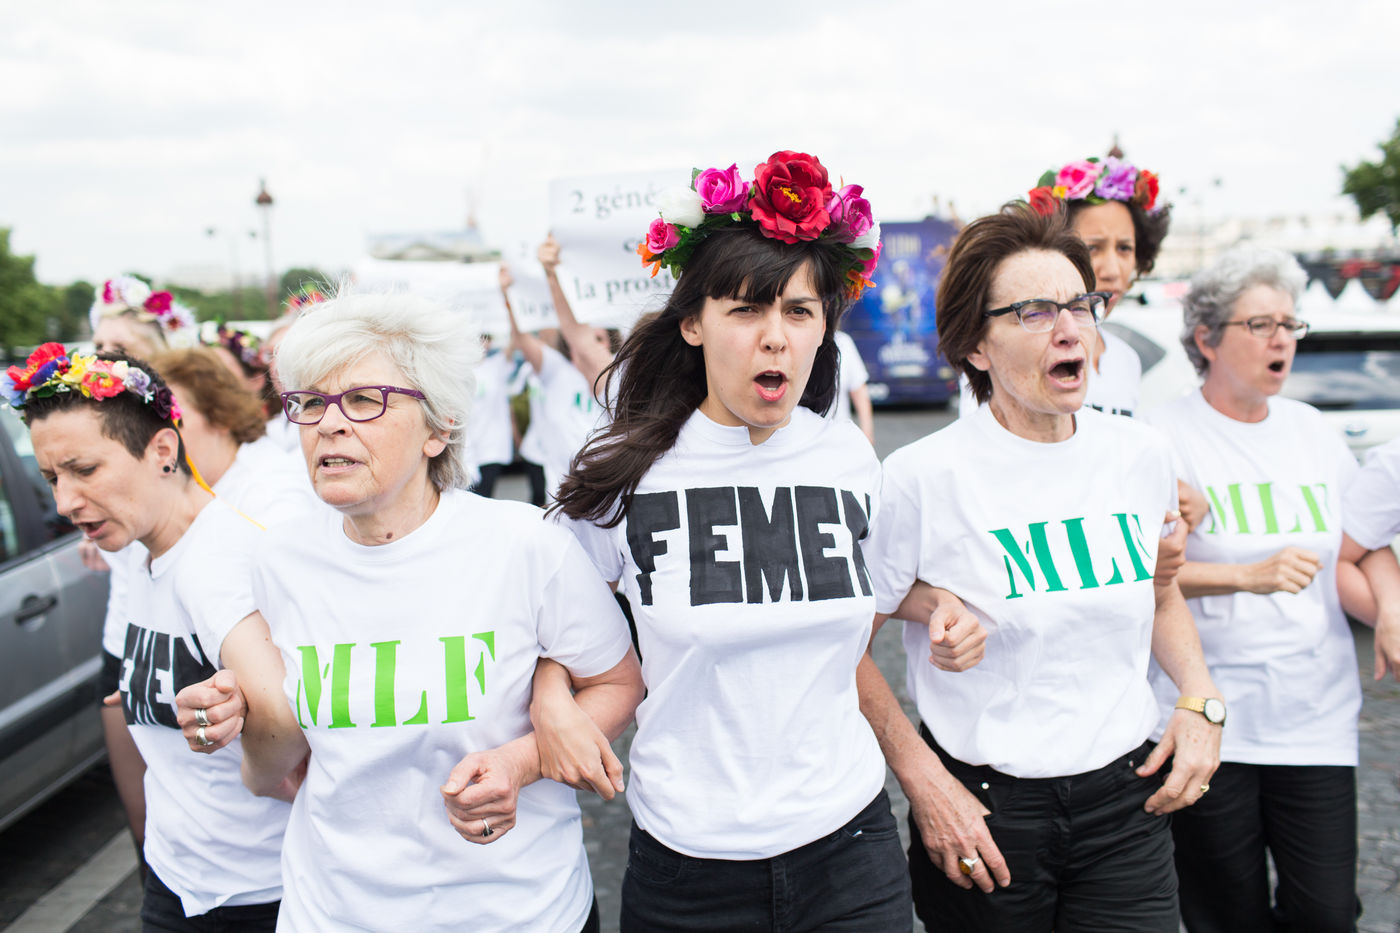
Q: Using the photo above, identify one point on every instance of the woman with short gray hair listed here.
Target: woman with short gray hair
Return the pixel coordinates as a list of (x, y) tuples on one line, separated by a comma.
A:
[(1261, 579), (1214, 291), (402, 629)]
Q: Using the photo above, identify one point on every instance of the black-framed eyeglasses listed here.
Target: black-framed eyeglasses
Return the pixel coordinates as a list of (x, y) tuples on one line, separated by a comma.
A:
[(1039, 315), (1264, 327), (362, 403)]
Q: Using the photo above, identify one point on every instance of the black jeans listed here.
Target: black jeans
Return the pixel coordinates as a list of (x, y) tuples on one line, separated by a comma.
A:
[(1304, 815), (486, 485), (1082, 852), (161, 913), (851, 880)]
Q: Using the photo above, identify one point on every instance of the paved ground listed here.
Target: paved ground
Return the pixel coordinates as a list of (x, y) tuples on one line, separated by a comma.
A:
[(44, 852)]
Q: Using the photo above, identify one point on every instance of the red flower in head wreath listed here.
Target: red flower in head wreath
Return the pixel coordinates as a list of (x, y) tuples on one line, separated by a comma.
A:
[(790, 195)]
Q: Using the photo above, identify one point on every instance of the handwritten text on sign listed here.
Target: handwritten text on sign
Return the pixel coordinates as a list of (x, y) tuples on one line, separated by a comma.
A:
[(599, 220)]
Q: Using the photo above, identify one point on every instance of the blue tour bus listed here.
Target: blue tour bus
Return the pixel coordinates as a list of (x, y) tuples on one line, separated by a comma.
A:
[(893, 322)]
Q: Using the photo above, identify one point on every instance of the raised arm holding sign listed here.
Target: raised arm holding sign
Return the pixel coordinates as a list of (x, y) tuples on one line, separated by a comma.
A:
[(589, 346)]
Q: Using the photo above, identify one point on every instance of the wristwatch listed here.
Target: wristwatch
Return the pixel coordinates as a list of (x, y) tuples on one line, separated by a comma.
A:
[(1209, 707)]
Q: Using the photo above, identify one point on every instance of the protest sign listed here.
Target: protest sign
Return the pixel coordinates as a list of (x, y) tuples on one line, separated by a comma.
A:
[(598, 221)]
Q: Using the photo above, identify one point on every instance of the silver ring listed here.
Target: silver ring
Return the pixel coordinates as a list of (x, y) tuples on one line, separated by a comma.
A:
[(201, 716), (968, 865), (487, 830), (200, 738)]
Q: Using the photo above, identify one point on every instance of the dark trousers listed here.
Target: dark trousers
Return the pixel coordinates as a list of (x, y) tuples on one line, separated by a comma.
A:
[(1082, 852), (535, 474), (851, 880), (486, 485), (1305, 816), (161, 913)]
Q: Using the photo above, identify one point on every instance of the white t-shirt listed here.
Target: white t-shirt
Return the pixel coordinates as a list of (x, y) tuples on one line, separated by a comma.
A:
[(207, 837), (1053, 546), (571, 414), (489, 437), (1112, 389), (743, 568), (1285, 663), (262, 483), (402, 659), (852, 374), (1371, 506)]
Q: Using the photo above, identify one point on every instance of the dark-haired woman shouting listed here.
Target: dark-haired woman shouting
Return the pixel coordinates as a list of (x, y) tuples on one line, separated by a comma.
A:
[(731, 514)]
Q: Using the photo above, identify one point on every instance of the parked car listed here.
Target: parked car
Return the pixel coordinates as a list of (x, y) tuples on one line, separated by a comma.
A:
[(1348, 366), (51, 611)]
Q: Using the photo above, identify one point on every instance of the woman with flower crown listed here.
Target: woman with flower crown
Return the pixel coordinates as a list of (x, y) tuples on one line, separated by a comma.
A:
[(130, 320), (106, 437), (1113, 207), (730, 513)]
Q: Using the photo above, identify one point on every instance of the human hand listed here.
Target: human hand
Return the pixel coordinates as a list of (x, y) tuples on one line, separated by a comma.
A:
[(952, 825), (549, 253), (221, 704), (506, 279), (957, 640), (92, 557), (1193, 744), (1288, 571), (1192, 503), (481, 793), (573, 750), (1171, 551)]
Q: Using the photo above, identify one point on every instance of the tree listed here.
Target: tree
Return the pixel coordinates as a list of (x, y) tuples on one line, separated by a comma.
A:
[(29, 311), (1375, 186)]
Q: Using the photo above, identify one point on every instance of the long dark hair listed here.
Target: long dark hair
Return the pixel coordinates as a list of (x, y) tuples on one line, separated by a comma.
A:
[(661, 378)]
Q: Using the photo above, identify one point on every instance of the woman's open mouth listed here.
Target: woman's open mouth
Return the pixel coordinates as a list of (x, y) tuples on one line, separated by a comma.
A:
[(1067, 371), (771, 385), (91, 529), (1277, 366)]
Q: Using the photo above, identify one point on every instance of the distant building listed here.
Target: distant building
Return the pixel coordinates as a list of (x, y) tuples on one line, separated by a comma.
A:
[(1333, 248), (448, 246)]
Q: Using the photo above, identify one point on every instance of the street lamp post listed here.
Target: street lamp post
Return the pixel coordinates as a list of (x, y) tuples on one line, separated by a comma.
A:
[(264, 205)]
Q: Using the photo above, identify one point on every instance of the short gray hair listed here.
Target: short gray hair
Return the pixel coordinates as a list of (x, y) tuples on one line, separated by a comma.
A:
[(436, 349), (1216, 288)]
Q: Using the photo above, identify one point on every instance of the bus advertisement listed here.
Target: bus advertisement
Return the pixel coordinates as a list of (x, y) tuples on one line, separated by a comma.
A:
[(893, 322)]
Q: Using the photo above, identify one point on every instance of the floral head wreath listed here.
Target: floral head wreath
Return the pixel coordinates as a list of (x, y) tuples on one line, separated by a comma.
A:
[(125, 293), (52, 370), (305, 297), (1096, 182), (243, 344), (789, 199)]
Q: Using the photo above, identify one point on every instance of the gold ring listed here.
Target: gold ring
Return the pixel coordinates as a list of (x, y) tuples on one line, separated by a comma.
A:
[(1204, 788), (968, 865)]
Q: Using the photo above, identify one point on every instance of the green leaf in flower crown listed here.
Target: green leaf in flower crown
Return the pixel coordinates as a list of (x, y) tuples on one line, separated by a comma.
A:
[(1046, 180)]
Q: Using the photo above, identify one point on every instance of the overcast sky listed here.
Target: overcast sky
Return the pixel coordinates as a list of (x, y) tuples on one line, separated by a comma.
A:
[(127, 129)]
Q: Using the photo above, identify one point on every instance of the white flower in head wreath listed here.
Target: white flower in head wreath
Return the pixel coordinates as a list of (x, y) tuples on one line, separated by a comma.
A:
[(128, 293)]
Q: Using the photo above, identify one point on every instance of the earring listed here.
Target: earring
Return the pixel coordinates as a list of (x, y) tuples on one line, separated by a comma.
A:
[(167, 469)]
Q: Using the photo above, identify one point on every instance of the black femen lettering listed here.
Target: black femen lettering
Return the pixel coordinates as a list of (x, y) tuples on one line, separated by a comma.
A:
[(770, 544), (827, 577), (712, 581), (858, 525), (649, 514)]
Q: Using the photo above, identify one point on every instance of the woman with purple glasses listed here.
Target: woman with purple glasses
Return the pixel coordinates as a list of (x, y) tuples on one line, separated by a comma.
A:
[(393, 658)]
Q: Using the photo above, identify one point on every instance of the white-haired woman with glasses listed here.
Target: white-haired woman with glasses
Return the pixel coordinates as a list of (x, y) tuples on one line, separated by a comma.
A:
[(1037, 801), (1262, 578), (394, 651)]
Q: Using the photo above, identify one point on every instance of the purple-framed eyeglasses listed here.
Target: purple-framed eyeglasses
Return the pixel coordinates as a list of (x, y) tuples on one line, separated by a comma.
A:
[(362, 403)]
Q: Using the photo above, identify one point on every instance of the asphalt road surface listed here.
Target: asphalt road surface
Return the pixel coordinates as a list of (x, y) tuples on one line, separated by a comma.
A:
[(69, 866)]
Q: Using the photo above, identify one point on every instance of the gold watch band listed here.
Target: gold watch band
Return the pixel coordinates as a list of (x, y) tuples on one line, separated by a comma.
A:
[(1194, 704)]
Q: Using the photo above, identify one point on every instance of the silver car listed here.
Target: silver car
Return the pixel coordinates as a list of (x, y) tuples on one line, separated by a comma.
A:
[(1348, 367), (51, 611)]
